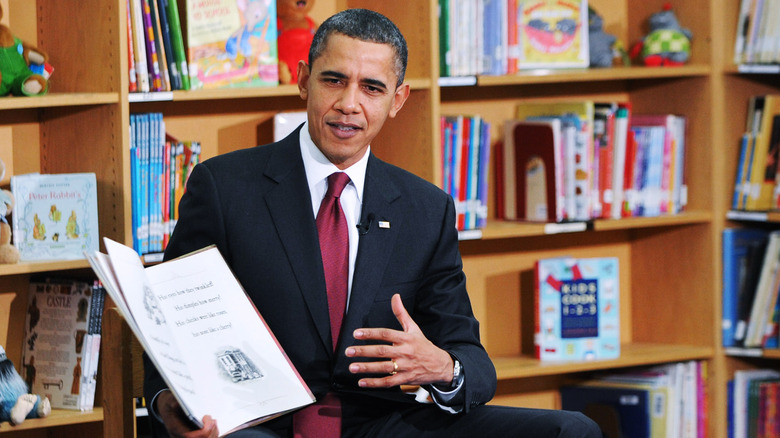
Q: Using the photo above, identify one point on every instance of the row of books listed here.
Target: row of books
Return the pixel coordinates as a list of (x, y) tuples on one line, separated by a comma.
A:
[(663, 401), (55, 216), (465, 149), (228, 43), (757, 181), (754, 404), (160, 166), (499, 37), (577, 308), (577, 161), (62, 341), (758, 32), (751, 281)]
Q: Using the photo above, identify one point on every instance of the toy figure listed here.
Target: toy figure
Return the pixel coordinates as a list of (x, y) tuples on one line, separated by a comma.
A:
[(23, 69), (8, 252), (667, 43), (16, 403), (296, 30), (600, 43)]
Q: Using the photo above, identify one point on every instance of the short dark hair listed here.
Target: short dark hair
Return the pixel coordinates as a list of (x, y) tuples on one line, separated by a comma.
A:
[(365, 25)]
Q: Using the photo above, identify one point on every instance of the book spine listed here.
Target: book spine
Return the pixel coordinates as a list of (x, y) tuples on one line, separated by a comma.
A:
[(177, 42)]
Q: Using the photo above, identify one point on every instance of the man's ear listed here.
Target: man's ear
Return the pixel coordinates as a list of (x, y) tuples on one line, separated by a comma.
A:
[(400, 96), (303, 79)]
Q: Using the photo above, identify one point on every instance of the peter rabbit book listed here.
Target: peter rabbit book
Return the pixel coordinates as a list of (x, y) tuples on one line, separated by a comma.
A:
[(232, 43), (577, 308), (204, 335), (55, 216)]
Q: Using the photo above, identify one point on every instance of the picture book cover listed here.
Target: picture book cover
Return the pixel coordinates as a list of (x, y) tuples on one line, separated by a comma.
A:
[(577, 308), (232, 43), (553, 33), (56, 328), (55, 216)]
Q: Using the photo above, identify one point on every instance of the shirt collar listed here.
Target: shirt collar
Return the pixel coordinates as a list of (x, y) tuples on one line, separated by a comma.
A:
[(318, 168)]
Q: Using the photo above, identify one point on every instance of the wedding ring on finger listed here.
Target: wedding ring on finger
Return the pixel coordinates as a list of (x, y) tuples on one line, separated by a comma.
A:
[(395, 368)]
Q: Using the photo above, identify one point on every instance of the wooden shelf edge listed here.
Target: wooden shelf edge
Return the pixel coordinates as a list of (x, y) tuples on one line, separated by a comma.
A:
[(42, 266), (499, 229), (52, 100), (631, 355), (753, 216), (594, 74), (772, 353), (58, 417), (240, 93)]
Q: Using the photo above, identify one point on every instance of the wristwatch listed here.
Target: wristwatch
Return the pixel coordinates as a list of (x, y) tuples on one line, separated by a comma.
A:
[(457, 373)]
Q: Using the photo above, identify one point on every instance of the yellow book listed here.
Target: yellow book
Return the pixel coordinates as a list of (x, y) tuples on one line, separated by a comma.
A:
[(764, 163)]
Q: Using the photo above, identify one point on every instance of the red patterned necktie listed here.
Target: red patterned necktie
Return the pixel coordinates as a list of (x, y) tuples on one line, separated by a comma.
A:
[(323, 419), (334, 246)]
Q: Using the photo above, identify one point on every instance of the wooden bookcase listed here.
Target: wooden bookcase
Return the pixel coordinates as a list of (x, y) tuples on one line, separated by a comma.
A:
[(670, 266)]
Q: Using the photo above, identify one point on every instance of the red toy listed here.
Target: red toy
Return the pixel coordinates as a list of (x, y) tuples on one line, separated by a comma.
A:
[(296, 30)]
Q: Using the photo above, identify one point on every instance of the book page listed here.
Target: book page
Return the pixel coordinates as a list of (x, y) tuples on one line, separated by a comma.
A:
[(235, 370)]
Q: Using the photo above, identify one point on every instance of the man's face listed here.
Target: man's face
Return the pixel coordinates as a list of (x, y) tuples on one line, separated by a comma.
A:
[(349, 91)]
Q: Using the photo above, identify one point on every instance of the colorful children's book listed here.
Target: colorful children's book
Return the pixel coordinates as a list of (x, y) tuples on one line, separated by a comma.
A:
[(553, 34), (55, 216), (232, 43), (577, 308), (55, 353)]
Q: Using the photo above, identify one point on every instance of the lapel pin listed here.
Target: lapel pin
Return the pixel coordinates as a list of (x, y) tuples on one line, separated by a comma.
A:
[(384, 224)]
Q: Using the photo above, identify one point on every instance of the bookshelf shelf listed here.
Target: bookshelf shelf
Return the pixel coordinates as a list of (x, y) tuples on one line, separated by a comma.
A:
[(754, 216), (54, 99), (239, 93), (42, 266), (594, 75), (58, 417), (631, 355), (497, 229)]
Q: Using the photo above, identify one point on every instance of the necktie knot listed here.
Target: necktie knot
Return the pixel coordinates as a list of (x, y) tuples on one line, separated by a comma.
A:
[(336, 183)]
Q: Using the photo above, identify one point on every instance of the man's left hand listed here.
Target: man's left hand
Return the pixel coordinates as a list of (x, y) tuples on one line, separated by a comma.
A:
[(411, 359)]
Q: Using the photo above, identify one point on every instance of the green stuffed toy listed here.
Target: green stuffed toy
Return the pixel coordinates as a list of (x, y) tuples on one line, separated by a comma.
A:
[(667, 43), (23, 68)]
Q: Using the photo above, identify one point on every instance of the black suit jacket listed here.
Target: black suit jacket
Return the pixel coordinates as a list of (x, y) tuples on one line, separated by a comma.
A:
[(255, 205)]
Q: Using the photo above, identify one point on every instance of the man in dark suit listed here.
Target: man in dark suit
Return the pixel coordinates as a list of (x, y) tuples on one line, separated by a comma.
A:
[(408, 318)]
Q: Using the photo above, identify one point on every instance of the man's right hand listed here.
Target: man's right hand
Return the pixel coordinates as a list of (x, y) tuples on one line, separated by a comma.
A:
[(178, 424)]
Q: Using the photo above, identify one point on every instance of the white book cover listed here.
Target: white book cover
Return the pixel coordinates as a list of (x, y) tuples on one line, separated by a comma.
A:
[(204, 335), (55, 216)]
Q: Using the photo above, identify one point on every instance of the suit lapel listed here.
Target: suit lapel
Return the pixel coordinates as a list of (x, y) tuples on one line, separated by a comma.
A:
[(289, 205), (375, 246)]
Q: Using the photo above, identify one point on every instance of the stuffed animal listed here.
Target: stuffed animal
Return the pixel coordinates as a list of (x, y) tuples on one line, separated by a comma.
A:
[(296, 31), (16, 403), (667, 43), (24, 69), (8, 252), (600, 43)]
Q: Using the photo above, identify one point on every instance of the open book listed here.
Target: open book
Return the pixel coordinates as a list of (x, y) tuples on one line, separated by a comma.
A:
[(204, 335)]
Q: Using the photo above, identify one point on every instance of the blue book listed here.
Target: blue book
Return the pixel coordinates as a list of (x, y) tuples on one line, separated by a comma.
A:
[(577, 308), (619, 412), (495, 24), (738, 181), (484, 166), (742, 254)]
